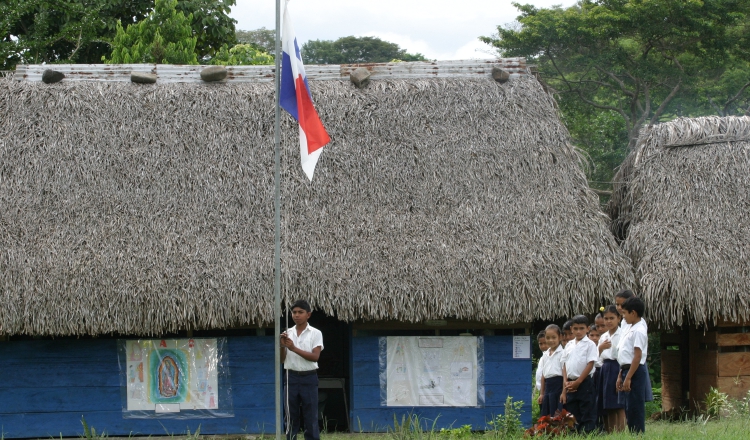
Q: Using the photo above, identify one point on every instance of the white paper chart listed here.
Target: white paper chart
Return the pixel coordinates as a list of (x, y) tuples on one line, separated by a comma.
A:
[(432, 371), (521, 347)]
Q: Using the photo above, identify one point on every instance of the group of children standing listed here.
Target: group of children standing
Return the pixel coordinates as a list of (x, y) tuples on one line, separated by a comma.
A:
[(598, 373)]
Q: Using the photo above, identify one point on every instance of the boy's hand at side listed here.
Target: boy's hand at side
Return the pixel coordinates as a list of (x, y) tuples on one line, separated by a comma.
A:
[(539, 400)]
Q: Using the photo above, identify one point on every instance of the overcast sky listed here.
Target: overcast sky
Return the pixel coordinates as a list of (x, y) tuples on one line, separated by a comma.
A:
[(438, 29)]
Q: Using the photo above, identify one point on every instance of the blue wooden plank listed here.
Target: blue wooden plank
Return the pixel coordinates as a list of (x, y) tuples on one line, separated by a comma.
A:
[(108, 398), (50, 399), (68, 424)]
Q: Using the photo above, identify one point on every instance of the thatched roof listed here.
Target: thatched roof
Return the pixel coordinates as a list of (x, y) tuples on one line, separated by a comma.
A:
[(681, 205), (141, 209)]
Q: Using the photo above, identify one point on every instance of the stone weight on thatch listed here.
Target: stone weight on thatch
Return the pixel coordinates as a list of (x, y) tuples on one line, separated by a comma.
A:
[(359, 77), (213, 73), (143, 78), (500, 75), (52, 76)]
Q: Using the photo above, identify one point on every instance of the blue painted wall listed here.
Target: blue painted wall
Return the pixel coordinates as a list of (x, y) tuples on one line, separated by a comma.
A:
[(503, 376), (47, 385)]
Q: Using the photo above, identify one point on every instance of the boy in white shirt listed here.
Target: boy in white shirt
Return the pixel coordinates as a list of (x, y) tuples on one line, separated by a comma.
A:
[(631, 355), (578, 393), (301, 347)]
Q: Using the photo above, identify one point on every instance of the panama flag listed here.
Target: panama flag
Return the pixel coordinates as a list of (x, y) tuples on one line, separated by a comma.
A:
[(294, 97)]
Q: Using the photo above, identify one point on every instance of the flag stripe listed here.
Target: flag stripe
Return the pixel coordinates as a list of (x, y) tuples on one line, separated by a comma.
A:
[(295, 98), (309, 120)]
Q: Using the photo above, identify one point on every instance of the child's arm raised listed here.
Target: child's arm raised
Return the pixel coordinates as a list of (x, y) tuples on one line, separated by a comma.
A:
[(605, 345)]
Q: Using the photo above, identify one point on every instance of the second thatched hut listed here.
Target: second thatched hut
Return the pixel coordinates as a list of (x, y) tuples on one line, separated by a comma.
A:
[(682, 209)]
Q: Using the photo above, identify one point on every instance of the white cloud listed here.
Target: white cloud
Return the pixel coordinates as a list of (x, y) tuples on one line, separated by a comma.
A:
[(439, 29)]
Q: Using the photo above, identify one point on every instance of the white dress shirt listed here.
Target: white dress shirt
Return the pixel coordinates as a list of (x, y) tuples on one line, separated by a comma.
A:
[(539, 374), (635, 336), (551, 363), (575, 360), (611, 352), (306, 341)]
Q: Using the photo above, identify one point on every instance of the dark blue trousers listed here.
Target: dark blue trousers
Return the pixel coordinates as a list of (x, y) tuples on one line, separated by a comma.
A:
[(635, 399), (302, 392), (582, 404)]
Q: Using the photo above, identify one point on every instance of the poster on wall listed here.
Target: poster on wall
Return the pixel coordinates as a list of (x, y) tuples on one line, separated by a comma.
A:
[(175, 378), (432, 371)]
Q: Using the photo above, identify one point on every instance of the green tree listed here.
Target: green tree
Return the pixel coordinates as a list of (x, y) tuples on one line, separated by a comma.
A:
[(263, 39), (211, 23), (51, 31), (637, 61), (242, 55), (351, 50), (165, 36), (80, 31)]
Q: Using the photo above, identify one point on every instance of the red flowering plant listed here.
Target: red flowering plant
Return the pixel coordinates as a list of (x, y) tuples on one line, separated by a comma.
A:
[(547, 426)]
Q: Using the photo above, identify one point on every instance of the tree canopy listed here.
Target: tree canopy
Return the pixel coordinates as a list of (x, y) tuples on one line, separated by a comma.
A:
[(165, 36), (615, 65), (80, 31), (263, 39), (351, 50)]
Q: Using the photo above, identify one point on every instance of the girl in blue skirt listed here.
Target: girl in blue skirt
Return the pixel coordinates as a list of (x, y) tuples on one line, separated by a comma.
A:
[(551, 366), (614, 413)]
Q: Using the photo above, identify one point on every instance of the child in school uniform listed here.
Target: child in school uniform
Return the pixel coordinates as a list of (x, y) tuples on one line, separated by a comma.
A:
[(578, 394), (542, 341), (551, 367), (620, 298), (594, 335), (613, 412), (631, 355)]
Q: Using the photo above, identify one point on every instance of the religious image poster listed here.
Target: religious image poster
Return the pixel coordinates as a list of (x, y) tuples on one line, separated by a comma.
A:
[(432, 371), (174, 378)]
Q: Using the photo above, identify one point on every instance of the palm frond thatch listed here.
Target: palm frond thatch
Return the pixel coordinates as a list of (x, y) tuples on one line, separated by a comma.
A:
[(681, 206), (149, 209)]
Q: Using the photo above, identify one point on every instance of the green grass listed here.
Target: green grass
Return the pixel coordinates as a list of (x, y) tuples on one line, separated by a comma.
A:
[(734, 428)]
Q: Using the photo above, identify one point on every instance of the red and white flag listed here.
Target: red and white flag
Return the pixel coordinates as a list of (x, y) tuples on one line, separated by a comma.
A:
[(294, 97)]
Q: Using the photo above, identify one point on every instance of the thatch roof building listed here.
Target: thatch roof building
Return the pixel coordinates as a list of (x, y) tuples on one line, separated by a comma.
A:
[(144, 209), (681, 206)]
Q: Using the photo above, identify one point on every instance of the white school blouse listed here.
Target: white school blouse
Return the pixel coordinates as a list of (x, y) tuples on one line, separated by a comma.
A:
[(576, 359), (551, 364), (635, 336), (610, 353), (306, 341)]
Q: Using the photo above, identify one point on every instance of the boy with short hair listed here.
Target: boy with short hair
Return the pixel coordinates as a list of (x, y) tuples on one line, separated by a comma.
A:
[(578, 393), (301, 347), (631, 355)]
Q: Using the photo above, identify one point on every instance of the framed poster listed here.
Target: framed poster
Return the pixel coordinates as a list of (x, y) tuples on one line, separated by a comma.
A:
[(179, 377), (432, 371)]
